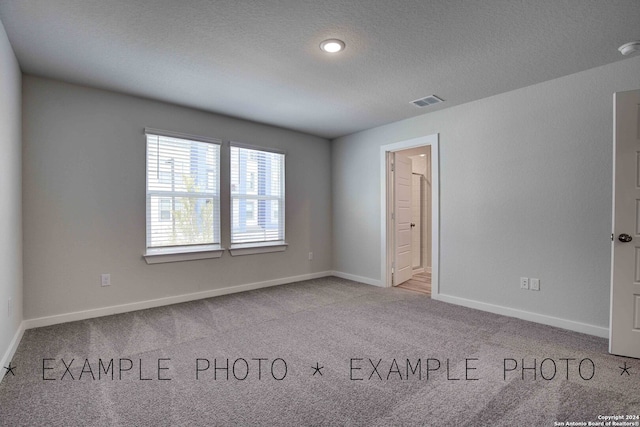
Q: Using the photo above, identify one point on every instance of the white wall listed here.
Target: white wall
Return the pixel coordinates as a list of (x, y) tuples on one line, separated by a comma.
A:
[(525, 181), (10, 195), (84, 201)]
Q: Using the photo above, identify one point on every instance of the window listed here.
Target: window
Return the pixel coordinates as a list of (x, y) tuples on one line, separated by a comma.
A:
[(257, 196), (164, 177), (183, 193), (250, 210), (165, 209)]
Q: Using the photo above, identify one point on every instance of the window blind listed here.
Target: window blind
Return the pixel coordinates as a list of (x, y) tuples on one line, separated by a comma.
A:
[(257, 195), (183, 191)]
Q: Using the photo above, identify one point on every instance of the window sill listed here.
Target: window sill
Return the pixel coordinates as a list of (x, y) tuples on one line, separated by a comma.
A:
[(257, 248), (183, 253)]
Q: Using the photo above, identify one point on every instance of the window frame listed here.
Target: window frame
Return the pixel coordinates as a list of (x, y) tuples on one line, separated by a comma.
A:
[(161, 254), (249, 248)]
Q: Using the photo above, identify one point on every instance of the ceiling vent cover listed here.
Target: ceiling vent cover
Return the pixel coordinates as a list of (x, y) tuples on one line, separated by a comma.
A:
[(425, 102)]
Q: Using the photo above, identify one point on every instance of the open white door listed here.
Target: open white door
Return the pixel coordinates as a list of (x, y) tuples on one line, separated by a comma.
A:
[(402, 214), (624, 327)]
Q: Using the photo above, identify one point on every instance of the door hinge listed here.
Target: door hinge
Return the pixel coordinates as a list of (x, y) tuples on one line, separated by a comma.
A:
[(393, 215), (612, 237), (393, 167), (392, 279)]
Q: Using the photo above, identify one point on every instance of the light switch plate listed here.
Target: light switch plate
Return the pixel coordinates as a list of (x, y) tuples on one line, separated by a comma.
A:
[(535, 284), (105, 280)]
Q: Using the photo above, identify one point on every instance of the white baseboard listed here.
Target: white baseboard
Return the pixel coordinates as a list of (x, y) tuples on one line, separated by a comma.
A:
[(13, 346), (527, 315), (355, 278), (123, 308), (141, 305)]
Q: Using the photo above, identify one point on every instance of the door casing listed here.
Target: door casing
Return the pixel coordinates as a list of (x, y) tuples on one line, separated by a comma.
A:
[(386, 201)]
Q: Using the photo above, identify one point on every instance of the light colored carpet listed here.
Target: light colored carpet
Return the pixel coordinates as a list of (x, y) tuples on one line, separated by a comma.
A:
[(327, 321)]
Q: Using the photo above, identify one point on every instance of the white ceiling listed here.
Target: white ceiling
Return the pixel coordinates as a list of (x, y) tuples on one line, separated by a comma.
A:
[(260, 60)]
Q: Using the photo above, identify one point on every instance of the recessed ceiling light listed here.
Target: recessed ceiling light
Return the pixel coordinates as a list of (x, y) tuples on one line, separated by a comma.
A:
[(332, 45), (629, 48)]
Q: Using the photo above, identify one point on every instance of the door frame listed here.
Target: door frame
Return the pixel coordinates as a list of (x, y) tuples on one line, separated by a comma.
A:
[(386, 200)]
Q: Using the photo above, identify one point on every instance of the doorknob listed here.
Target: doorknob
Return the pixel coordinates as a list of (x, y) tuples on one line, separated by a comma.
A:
[(412, 225), (625, 238)]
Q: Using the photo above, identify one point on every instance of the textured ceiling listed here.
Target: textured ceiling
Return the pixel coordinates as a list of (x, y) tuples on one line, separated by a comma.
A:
[(260, 60)]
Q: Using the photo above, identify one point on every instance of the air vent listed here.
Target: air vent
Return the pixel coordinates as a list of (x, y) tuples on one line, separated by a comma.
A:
[(425, 102)]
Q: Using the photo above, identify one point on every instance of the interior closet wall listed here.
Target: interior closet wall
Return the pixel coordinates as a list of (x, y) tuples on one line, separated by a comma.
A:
[(421, 166)]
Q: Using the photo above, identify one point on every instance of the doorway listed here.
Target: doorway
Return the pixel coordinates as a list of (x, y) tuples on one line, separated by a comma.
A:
[(419, 159), (410, 214)]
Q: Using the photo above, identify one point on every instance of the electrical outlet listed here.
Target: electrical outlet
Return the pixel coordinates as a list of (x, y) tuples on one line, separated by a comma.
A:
[(10, 307), (310, 256), (524, 283), (105, 280), (535, 284)]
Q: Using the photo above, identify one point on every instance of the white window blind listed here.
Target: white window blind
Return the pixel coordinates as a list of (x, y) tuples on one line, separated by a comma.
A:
[(257, 196), (183, 191)]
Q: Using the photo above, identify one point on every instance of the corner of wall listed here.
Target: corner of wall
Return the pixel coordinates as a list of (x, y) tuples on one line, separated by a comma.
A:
[(11, 272)]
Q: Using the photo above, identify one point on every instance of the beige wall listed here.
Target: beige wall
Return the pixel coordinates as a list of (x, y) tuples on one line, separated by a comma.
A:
[(84, 201), (525, 190), (10, 195)]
